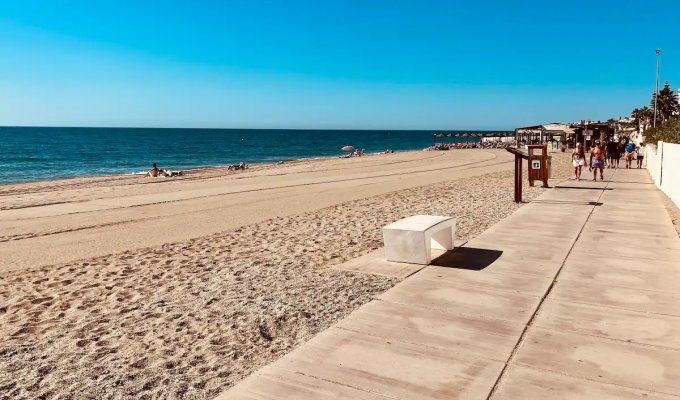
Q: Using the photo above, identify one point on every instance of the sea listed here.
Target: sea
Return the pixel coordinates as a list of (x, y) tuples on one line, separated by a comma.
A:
[(40, 153)]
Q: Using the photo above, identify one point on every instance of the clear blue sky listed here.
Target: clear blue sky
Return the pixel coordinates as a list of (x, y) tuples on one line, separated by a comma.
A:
[(331, 64)]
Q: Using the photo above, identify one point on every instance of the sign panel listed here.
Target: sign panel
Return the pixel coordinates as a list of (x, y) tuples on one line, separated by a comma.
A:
[(535, 164)]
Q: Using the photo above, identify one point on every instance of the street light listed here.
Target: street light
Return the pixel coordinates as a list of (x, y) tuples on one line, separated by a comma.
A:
[(656, 93)]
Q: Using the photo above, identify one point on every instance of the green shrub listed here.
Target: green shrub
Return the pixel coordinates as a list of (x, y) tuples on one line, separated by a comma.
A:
[(668, 131)]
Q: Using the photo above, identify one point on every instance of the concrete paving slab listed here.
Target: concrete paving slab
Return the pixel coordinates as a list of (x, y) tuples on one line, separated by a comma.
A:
[(505, 263), (531, 384), (602, 360), (647, 235), (624, 325), (271, 383), (527, 267), (376, 264), (483, 337), (613, 241), (392, 368), (613, 216), (655, 206), (538, 253), (651, 279), (617, 297), (528, 239), (613, 262), (508, 282), (631, 225), (456, 298), (547, 209), (640, 253)]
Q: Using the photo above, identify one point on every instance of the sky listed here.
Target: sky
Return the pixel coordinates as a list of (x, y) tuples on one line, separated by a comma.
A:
[(368, 64)]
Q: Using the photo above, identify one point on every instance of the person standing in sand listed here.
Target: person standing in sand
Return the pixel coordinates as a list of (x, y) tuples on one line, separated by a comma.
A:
[(597, 161), (578, 159)]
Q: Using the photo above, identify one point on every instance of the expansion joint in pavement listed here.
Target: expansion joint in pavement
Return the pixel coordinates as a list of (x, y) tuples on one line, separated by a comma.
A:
[(548, 291)]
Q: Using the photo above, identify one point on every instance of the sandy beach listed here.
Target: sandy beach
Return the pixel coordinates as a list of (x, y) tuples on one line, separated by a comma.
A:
[(133, 287)]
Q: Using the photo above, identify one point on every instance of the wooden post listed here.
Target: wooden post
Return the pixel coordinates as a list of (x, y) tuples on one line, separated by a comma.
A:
[(519, 157), (518, 179)]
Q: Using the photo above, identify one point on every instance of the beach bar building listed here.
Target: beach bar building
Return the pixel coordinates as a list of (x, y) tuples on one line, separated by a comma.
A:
[(588, 132), (553, 134)]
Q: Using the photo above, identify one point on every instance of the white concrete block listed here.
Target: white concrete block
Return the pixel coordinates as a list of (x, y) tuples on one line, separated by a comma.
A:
[(410, 240)]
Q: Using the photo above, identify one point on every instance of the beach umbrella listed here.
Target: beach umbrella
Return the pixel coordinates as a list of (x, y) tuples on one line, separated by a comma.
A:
[(348, 148)]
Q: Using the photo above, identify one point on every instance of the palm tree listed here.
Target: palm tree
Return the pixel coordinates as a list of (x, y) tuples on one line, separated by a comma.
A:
[(642, 117), (667, 103)]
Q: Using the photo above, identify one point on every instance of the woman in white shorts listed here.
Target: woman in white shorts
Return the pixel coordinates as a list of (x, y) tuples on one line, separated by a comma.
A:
[(578, 158)]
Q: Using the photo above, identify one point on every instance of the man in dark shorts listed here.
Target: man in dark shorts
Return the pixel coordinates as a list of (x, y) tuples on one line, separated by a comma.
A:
[(611, 153), (620, 150), (597, 159)]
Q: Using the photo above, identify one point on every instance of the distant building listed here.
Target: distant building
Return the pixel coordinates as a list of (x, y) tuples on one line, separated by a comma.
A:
[(588, 132), (554, 134)]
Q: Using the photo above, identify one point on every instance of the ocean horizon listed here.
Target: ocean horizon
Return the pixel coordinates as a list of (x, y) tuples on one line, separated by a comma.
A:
[(42, 153)]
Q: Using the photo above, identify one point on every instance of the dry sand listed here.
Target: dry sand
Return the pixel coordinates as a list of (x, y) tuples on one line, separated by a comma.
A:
[(189, 311)]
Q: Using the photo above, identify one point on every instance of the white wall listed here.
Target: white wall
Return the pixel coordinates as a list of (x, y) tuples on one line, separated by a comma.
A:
[(663, 164)]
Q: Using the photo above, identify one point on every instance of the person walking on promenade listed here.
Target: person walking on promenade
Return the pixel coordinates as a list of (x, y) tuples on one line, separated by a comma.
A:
[(630, 152), (597, 161), (611, 148), (578, 159), (640, 154), (620, 149)]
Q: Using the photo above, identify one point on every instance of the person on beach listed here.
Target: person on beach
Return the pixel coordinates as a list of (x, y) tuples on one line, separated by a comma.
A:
[(620, 149), (154, 172), (630, 152), (640, 154), (578, 159), (597, 160), (239, 166), (612, 149)]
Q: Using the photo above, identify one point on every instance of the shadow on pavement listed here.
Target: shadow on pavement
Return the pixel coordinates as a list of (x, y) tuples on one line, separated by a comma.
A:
[(579, 203), (582, 188), (467, 258)]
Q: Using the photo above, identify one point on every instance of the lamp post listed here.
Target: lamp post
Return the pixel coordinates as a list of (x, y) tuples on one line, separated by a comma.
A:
[(656, 93)]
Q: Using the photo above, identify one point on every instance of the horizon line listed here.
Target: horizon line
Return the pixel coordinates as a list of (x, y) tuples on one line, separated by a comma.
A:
[(261, 129)]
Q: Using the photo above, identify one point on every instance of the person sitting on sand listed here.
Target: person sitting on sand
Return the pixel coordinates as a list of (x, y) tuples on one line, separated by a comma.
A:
[(155, 171), (239, 166)]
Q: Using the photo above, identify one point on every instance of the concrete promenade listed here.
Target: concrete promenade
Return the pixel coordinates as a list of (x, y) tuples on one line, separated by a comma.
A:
[(574, 296)]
